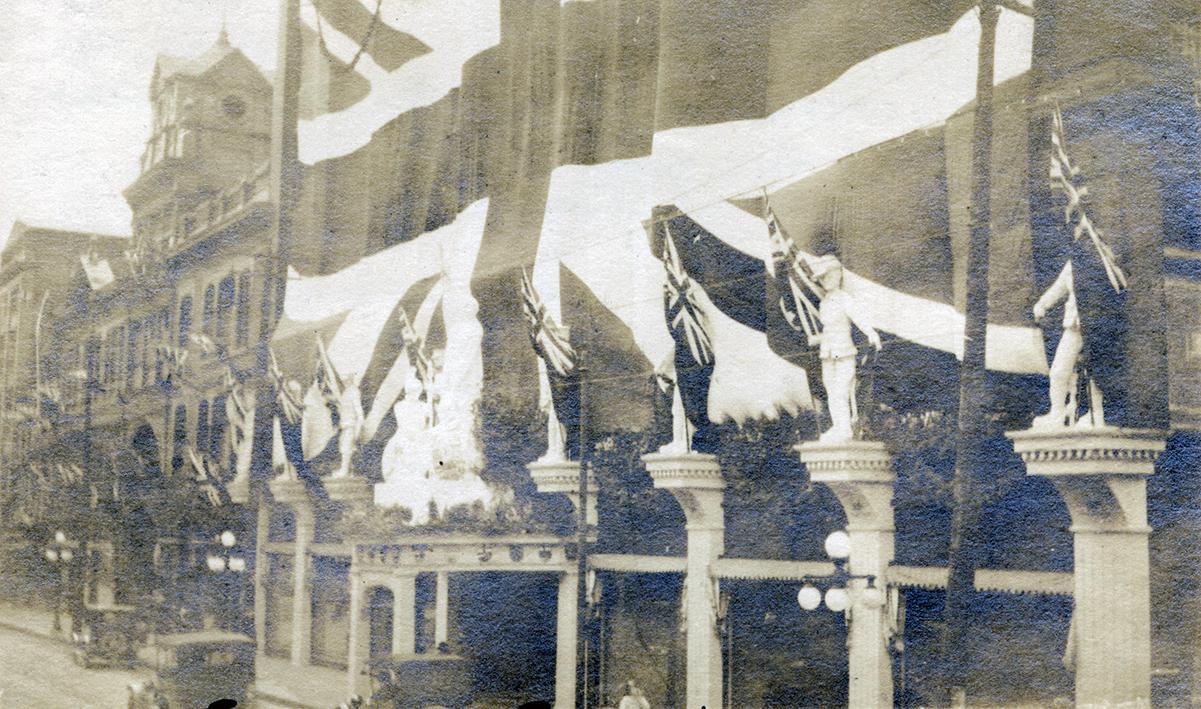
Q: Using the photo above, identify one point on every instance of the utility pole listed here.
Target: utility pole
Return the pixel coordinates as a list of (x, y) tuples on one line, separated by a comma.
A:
[(964, 551), (582, 529), (284, 190)]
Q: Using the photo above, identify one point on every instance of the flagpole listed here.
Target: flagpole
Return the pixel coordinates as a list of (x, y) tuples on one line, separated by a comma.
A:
[(582, 529), (964, 549), (284, 189)]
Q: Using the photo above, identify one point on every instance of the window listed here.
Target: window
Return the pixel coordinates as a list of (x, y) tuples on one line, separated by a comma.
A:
[(149, 337), (131, 352), (181, 437), (162, 335), (234, 107), (207, 320), (185, 319), (202, 425), (225, 306), (265, 314), (242, 329), (217, 429)]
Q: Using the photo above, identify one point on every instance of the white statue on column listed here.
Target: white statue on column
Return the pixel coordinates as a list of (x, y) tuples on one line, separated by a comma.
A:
[(681, 427), (838, 314), (556, 437), (239, 411), (1063, 377), (350, 424)]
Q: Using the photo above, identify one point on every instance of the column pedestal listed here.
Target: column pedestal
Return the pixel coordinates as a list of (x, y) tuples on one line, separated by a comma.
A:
[(695, 481), (566, 639), (353, 490), (860, 475), (1101, 475), (563, 476), (239, 490)]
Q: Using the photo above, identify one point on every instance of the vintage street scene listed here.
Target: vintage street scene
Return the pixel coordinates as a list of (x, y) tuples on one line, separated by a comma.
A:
[(627, 354)]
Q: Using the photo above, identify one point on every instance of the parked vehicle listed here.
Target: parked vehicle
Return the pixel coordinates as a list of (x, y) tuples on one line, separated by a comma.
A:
[(107, 636), (197, 669), (420, 680)]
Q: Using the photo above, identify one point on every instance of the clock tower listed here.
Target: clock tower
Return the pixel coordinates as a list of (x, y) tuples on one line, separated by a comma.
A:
[(211, 118)]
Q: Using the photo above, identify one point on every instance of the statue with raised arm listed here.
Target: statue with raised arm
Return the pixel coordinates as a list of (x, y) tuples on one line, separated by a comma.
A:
[(838, 314), (350, 424), (1062, 376)]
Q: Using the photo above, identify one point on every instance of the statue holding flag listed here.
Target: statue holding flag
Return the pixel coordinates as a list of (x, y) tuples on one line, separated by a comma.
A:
[(560, 385), (1091, 285), (350, 424), (838, 313)]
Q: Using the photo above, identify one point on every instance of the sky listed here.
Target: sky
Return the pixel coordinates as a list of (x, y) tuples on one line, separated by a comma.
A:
[(74, 105)]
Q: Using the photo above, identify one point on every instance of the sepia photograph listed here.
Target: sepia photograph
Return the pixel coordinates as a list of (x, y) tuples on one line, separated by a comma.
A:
[(600, 354)]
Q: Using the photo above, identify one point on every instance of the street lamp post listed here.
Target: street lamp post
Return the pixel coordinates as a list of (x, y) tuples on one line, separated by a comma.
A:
[(862, 599), (228, 564), (60, 552), (842, 583)]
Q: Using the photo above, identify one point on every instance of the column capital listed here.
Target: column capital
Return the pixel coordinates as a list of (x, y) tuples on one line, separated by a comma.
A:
[(1100, 472), (1102, 450), (695, 480), (239, 490), (860, 475), (563, 476), (289, 491), (866, 461), (353, 490)]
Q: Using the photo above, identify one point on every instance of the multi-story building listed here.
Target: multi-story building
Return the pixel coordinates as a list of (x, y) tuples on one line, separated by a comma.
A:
[(36, 265), (147, 329)]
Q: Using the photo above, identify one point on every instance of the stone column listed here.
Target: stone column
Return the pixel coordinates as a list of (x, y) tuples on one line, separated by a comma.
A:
[(292, 492), (404, 617), (354, 650), (860, 475), (1101, 475), (261, 567), (696, 482), (441, 609), (302, 603), (566, 639)]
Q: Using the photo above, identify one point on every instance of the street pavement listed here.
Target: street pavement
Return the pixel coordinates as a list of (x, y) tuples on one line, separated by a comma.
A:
[(39, 672)]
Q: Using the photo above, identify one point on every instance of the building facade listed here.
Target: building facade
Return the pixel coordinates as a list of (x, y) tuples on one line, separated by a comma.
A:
[(142, 336)]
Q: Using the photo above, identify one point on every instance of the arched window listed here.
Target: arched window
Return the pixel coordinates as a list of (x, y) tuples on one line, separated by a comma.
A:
[(242, 328), (207, 322), (185, 319), (132, 352), (202, 426), (225, 306), (217, 434), (181, 437), (265, 313)]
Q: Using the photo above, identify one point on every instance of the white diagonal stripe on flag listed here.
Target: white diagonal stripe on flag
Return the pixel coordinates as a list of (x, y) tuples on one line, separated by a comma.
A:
[(455, 30)]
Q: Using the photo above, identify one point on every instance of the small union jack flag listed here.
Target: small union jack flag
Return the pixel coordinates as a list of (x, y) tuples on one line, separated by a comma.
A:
[(290, 404), (208, 483), (1065, 177), (417, 349), (801, 302), (684, 315), (547, 336)]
